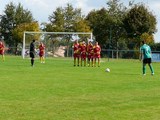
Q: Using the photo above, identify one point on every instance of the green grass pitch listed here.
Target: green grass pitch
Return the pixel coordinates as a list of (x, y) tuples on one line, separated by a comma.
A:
[(58, 91)]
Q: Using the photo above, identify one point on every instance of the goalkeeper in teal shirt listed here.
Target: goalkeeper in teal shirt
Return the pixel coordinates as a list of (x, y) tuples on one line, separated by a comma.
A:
[(146, 55)]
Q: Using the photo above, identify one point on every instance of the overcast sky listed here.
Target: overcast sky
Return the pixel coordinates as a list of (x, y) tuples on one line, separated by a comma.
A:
[(41, 9)]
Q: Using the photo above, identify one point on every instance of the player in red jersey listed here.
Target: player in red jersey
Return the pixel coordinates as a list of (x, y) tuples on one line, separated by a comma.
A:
[(2, 49), (83, 50), (90, 53), (42, 52), (76, 54), (97, 54)]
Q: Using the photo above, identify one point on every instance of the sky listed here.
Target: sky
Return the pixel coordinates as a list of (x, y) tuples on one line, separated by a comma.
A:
[(41, 9)]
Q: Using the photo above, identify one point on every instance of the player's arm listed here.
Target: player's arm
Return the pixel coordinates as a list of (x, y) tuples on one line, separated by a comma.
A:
[(3, 48)]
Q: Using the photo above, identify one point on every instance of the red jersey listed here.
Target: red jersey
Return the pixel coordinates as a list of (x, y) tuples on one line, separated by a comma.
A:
[(83, 49), (97, 50), (90, 48), (1, 49), (76, 49), (41, 50), (90, 51)]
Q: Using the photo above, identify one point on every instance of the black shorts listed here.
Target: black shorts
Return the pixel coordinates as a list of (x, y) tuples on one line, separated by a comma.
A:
[(32, 55), (147, 61)]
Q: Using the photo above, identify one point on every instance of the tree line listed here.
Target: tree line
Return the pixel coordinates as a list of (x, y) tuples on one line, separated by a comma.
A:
[(115, 26)]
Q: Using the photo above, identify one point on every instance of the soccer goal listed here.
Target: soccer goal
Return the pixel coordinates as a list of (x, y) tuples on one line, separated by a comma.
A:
[(57, 44)]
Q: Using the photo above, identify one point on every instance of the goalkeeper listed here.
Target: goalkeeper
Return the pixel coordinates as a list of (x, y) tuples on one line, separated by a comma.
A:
[(32, 52)]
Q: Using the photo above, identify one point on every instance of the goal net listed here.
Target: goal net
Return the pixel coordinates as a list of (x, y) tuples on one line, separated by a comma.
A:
[(57, 44)]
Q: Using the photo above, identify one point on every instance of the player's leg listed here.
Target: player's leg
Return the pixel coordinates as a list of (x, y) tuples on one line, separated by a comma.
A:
[(74, 61), (3, 57), (95, 62), (85, 61), (40, 59), (43, 59), (81, 60), (151, 68), (32, 58), (98, 62), (78, 61), (32, 61), (2, 53), (75, 58), (92, 62), (88, 61), (144, 68)]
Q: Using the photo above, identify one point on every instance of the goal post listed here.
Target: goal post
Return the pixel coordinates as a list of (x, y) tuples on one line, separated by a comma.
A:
[(50, 33)]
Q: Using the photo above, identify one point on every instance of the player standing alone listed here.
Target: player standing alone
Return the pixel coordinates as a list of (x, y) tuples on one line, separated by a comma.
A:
[(76, 52), (2, 48), (42, 52), (145, 54), (97, 54), (32, 52)]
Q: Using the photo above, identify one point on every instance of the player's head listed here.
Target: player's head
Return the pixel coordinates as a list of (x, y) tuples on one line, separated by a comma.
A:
[(90, 42), (33, 40), (76, 41), (143, 41), (96, 43)]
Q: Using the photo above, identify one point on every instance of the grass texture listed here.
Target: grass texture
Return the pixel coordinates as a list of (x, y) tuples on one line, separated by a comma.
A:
[(57, 90)]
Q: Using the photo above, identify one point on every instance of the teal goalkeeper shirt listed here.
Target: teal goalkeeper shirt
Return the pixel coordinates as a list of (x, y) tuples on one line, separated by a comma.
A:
[(146, 51)]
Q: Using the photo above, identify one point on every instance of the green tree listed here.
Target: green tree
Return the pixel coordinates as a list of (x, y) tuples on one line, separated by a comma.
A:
[(107, 24), (19, 30), (7, 23), (12, 17), (147, 37), (82, 26), (99, 22), (56, 21), (139, 20), (67, 19), (22, 15), (116, 11)]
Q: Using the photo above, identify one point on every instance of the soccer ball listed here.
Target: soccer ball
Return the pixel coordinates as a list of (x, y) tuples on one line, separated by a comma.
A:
[(107, 70)]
